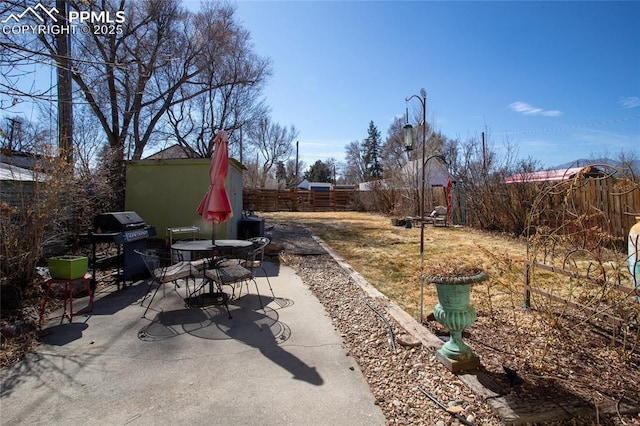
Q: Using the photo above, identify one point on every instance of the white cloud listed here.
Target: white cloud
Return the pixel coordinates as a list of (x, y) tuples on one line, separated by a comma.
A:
[(527, 109), (630, 102)]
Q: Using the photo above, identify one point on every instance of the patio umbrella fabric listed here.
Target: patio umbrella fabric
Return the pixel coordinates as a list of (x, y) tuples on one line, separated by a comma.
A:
[(215, 207)]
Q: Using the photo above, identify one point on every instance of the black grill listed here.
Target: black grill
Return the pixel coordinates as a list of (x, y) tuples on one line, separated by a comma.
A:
[(129, 232), (117, 222)]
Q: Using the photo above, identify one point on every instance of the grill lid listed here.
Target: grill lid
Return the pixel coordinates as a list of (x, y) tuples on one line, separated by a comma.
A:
[(117, 222)]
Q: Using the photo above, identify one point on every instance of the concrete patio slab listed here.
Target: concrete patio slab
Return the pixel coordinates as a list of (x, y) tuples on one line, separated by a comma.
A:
[(281, 365)]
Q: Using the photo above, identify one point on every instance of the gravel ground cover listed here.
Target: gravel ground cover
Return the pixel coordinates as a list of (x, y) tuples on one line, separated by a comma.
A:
[(394, 376), (397, 374)]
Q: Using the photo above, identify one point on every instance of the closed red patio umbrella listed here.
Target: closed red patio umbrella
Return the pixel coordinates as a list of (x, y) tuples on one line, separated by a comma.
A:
[(215, 207)]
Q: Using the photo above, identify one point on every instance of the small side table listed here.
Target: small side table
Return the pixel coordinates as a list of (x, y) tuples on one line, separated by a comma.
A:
[(68, 296)]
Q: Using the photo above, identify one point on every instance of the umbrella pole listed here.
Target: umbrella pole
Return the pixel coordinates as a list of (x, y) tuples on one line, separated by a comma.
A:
[(213, 233)]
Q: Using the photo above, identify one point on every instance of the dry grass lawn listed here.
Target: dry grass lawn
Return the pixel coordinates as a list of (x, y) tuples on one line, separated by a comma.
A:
[(389, 256)]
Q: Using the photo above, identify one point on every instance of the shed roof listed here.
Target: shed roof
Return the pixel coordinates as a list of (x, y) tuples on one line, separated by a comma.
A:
[(305, 184), (9, 172), (436, 172), (554, 175), (172, 152)]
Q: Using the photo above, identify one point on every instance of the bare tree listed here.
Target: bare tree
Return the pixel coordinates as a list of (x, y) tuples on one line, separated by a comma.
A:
[(19, 59), (159, 66), (394, 154), (125, 76), (89, 141), (629, 163), (22, 135), (291, 179), (355, 170), (273, 143), (493, 204), (234, 77)]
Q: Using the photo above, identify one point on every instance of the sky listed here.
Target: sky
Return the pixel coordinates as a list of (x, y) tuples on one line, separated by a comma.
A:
[(558, 81)]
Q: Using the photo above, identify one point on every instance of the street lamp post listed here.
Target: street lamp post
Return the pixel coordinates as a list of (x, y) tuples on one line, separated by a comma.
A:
[(408, 140)]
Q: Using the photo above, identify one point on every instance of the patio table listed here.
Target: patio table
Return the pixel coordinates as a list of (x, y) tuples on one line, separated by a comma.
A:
[(211, 248)]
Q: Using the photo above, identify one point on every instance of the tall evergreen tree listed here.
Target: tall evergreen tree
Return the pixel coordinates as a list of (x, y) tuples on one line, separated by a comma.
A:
[(318, 172), (371, 153)]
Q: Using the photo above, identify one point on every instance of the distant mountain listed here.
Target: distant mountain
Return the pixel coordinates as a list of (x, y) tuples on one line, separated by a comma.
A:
[(635, 164)]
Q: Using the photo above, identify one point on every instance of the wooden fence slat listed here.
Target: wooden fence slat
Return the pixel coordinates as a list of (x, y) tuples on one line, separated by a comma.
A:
[(297, 200)]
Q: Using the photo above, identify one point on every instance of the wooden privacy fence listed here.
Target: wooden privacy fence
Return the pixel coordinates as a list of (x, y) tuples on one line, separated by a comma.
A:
[(350, 199), (615, 201), (618, 200), (272, 200)]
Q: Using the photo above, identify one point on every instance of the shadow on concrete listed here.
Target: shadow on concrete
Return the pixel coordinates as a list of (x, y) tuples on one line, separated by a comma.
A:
[(269, 268), (110, 300), (62, 334), (42, 367), (251, 325)]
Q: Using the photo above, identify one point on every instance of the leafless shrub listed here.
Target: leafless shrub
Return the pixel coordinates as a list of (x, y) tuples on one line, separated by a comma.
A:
[(577, 229), (44, 216), (29, 220)]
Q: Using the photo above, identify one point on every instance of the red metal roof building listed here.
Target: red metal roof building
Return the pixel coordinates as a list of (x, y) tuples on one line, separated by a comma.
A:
[(554, 175)]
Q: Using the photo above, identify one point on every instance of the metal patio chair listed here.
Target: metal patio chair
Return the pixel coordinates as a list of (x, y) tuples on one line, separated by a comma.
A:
[(163, 271), (231, 273), (255, 258)]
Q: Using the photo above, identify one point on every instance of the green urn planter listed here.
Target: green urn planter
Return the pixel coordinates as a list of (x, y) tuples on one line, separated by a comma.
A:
[(455, 312)]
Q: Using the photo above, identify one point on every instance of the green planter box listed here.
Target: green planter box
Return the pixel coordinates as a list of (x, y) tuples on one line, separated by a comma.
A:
[(68, 267)]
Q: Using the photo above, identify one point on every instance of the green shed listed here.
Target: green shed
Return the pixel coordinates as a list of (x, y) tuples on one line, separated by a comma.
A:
[(167, 192)]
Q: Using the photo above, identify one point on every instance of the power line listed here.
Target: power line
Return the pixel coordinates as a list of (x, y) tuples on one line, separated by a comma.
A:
[(575, 126)]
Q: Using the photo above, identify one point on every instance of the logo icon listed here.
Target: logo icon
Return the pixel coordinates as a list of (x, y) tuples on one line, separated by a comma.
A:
[(34, 12)]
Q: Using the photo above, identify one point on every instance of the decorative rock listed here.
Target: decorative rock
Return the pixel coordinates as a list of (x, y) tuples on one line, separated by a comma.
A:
[(408, 340), (455, 409)]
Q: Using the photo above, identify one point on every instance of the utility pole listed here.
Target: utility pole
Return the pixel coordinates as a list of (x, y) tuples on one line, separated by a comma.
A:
[(297, 156), (65, 101), (12, 123), (484, 155), (241, 147)]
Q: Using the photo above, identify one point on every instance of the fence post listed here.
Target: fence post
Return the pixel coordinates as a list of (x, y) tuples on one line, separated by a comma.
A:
[(527, 288)]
